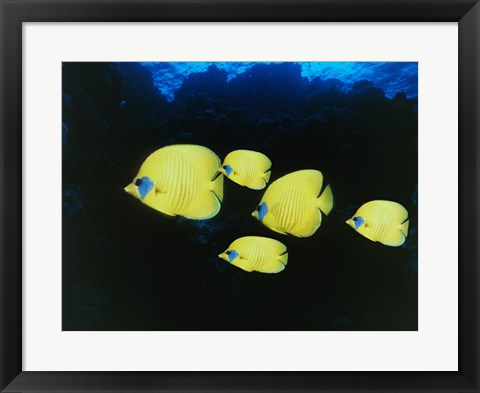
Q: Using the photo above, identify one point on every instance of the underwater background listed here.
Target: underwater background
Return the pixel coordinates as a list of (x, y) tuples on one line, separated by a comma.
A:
[(128, 267)]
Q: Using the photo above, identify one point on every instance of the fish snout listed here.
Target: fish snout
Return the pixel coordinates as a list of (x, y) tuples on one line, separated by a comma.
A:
[(223, 256), (128, 189), (350, 223)]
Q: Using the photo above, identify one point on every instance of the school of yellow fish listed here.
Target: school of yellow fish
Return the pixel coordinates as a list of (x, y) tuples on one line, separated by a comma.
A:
[(187, 180)]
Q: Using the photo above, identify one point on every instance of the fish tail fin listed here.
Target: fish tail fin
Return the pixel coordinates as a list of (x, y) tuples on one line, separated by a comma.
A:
[(284, 258), (404, 228), (325, 200), (266, 176), (216, 186)]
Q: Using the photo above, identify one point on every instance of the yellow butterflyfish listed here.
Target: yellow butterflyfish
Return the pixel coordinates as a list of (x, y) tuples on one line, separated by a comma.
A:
[(294, 203), (255, 253), (248, 168), (180, 180), (385, 222)]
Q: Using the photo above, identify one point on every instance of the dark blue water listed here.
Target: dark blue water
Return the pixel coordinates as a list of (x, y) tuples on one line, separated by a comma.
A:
[(127, 267)]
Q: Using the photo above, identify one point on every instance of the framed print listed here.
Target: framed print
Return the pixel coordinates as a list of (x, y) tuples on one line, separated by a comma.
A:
[(214, 216), (239, 196)]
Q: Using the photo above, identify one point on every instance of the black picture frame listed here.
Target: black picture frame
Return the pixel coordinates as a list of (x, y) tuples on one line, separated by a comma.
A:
[(15, 12)]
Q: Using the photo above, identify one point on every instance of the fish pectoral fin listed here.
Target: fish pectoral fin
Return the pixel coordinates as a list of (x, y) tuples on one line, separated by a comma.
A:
[(159, 190)]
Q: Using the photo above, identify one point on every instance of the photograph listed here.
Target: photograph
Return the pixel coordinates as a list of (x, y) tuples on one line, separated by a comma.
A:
[(187, 184), (240, 196)]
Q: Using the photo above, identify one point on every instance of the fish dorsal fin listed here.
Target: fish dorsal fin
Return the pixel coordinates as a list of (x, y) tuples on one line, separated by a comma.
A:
[(311, 179), (259, 160), (395, 210), (262, 161)]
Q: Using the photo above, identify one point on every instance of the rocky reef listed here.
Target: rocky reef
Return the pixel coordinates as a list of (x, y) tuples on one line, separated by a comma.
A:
[(127, 267)]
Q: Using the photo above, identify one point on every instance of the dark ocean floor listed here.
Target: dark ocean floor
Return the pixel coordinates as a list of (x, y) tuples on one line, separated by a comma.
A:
[(127, 267)]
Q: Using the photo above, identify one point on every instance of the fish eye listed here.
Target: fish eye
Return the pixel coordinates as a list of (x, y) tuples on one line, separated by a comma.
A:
[(355, 219), (231, 255), (228, 169), (138, 182), (259, 207)]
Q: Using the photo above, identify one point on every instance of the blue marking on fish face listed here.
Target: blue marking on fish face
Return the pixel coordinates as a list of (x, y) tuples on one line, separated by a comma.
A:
[(231, 254), (262, 210), (358, 221), (228, 169), (144, 185)]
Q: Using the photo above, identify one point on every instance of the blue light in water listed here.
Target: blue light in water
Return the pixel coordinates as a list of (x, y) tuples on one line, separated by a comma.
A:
[(392, 77)]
